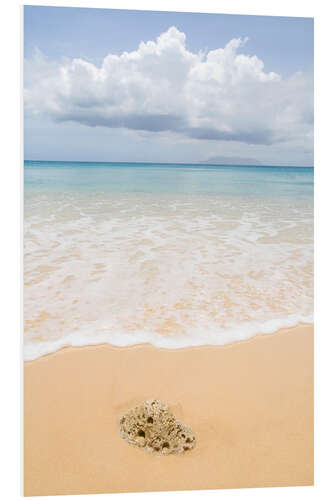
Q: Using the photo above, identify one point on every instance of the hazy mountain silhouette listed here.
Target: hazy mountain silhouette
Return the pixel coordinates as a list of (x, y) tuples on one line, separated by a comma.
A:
[(231, 160)]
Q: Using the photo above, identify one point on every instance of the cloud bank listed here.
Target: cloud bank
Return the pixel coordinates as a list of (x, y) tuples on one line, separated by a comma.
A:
[(222, 95)]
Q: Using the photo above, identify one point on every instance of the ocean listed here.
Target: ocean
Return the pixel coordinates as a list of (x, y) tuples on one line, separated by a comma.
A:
[(172, 255)]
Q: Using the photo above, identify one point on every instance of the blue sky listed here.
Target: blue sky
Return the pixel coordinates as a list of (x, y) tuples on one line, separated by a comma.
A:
[(78, 125)]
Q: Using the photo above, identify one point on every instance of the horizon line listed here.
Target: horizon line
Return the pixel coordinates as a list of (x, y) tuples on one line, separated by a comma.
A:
[(201, 164)]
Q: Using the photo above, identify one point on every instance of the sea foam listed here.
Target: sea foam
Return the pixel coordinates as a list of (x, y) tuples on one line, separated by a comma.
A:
[(173, 271), (34, 350)]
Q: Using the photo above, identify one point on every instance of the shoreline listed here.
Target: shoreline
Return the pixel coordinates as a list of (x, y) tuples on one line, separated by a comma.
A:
[(227, 344), (250, 404)]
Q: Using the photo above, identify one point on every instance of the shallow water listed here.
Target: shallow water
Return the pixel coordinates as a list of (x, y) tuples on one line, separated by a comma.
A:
[(174, 255)]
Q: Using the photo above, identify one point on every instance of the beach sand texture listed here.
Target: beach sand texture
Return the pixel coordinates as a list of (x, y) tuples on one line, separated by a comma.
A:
[(250, 405)]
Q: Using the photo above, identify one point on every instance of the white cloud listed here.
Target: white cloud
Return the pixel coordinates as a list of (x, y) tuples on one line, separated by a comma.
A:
[(163, 87)]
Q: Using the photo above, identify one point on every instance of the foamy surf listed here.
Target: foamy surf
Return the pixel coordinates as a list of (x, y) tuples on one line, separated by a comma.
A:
[(166, 268), (34, 350)]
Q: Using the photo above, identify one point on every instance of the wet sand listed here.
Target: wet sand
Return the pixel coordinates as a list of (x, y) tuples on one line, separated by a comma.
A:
[(250, 405)]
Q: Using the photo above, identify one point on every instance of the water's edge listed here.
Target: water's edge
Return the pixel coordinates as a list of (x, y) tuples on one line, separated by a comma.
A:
[(34, 350)]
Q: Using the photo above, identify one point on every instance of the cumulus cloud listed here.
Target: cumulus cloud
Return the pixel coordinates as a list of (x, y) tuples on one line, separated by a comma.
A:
[(223, 95)]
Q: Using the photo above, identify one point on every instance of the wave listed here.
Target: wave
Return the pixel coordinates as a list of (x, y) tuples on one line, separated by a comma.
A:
[(174, 272), (37, 349)]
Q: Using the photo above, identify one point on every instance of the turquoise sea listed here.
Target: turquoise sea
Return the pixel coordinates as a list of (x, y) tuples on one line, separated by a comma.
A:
[(168, 178), (174, 255)]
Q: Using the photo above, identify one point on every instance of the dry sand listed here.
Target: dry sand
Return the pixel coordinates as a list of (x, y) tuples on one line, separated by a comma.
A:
[(250, 405)]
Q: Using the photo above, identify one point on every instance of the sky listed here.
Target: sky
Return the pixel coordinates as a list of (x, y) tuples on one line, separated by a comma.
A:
[(117, 85)]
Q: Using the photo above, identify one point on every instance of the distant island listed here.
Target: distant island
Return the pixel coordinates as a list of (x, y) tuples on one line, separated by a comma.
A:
[(230, 160)]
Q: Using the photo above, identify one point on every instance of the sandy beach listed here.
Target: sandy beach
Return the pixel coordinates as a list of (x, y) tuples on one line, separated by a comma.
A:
[(168, 253), (250, 405)]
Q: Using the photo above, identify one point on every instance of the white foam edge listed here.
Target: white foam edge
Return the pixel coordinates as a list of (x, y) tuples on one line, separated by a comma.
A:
[(245, 331)]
